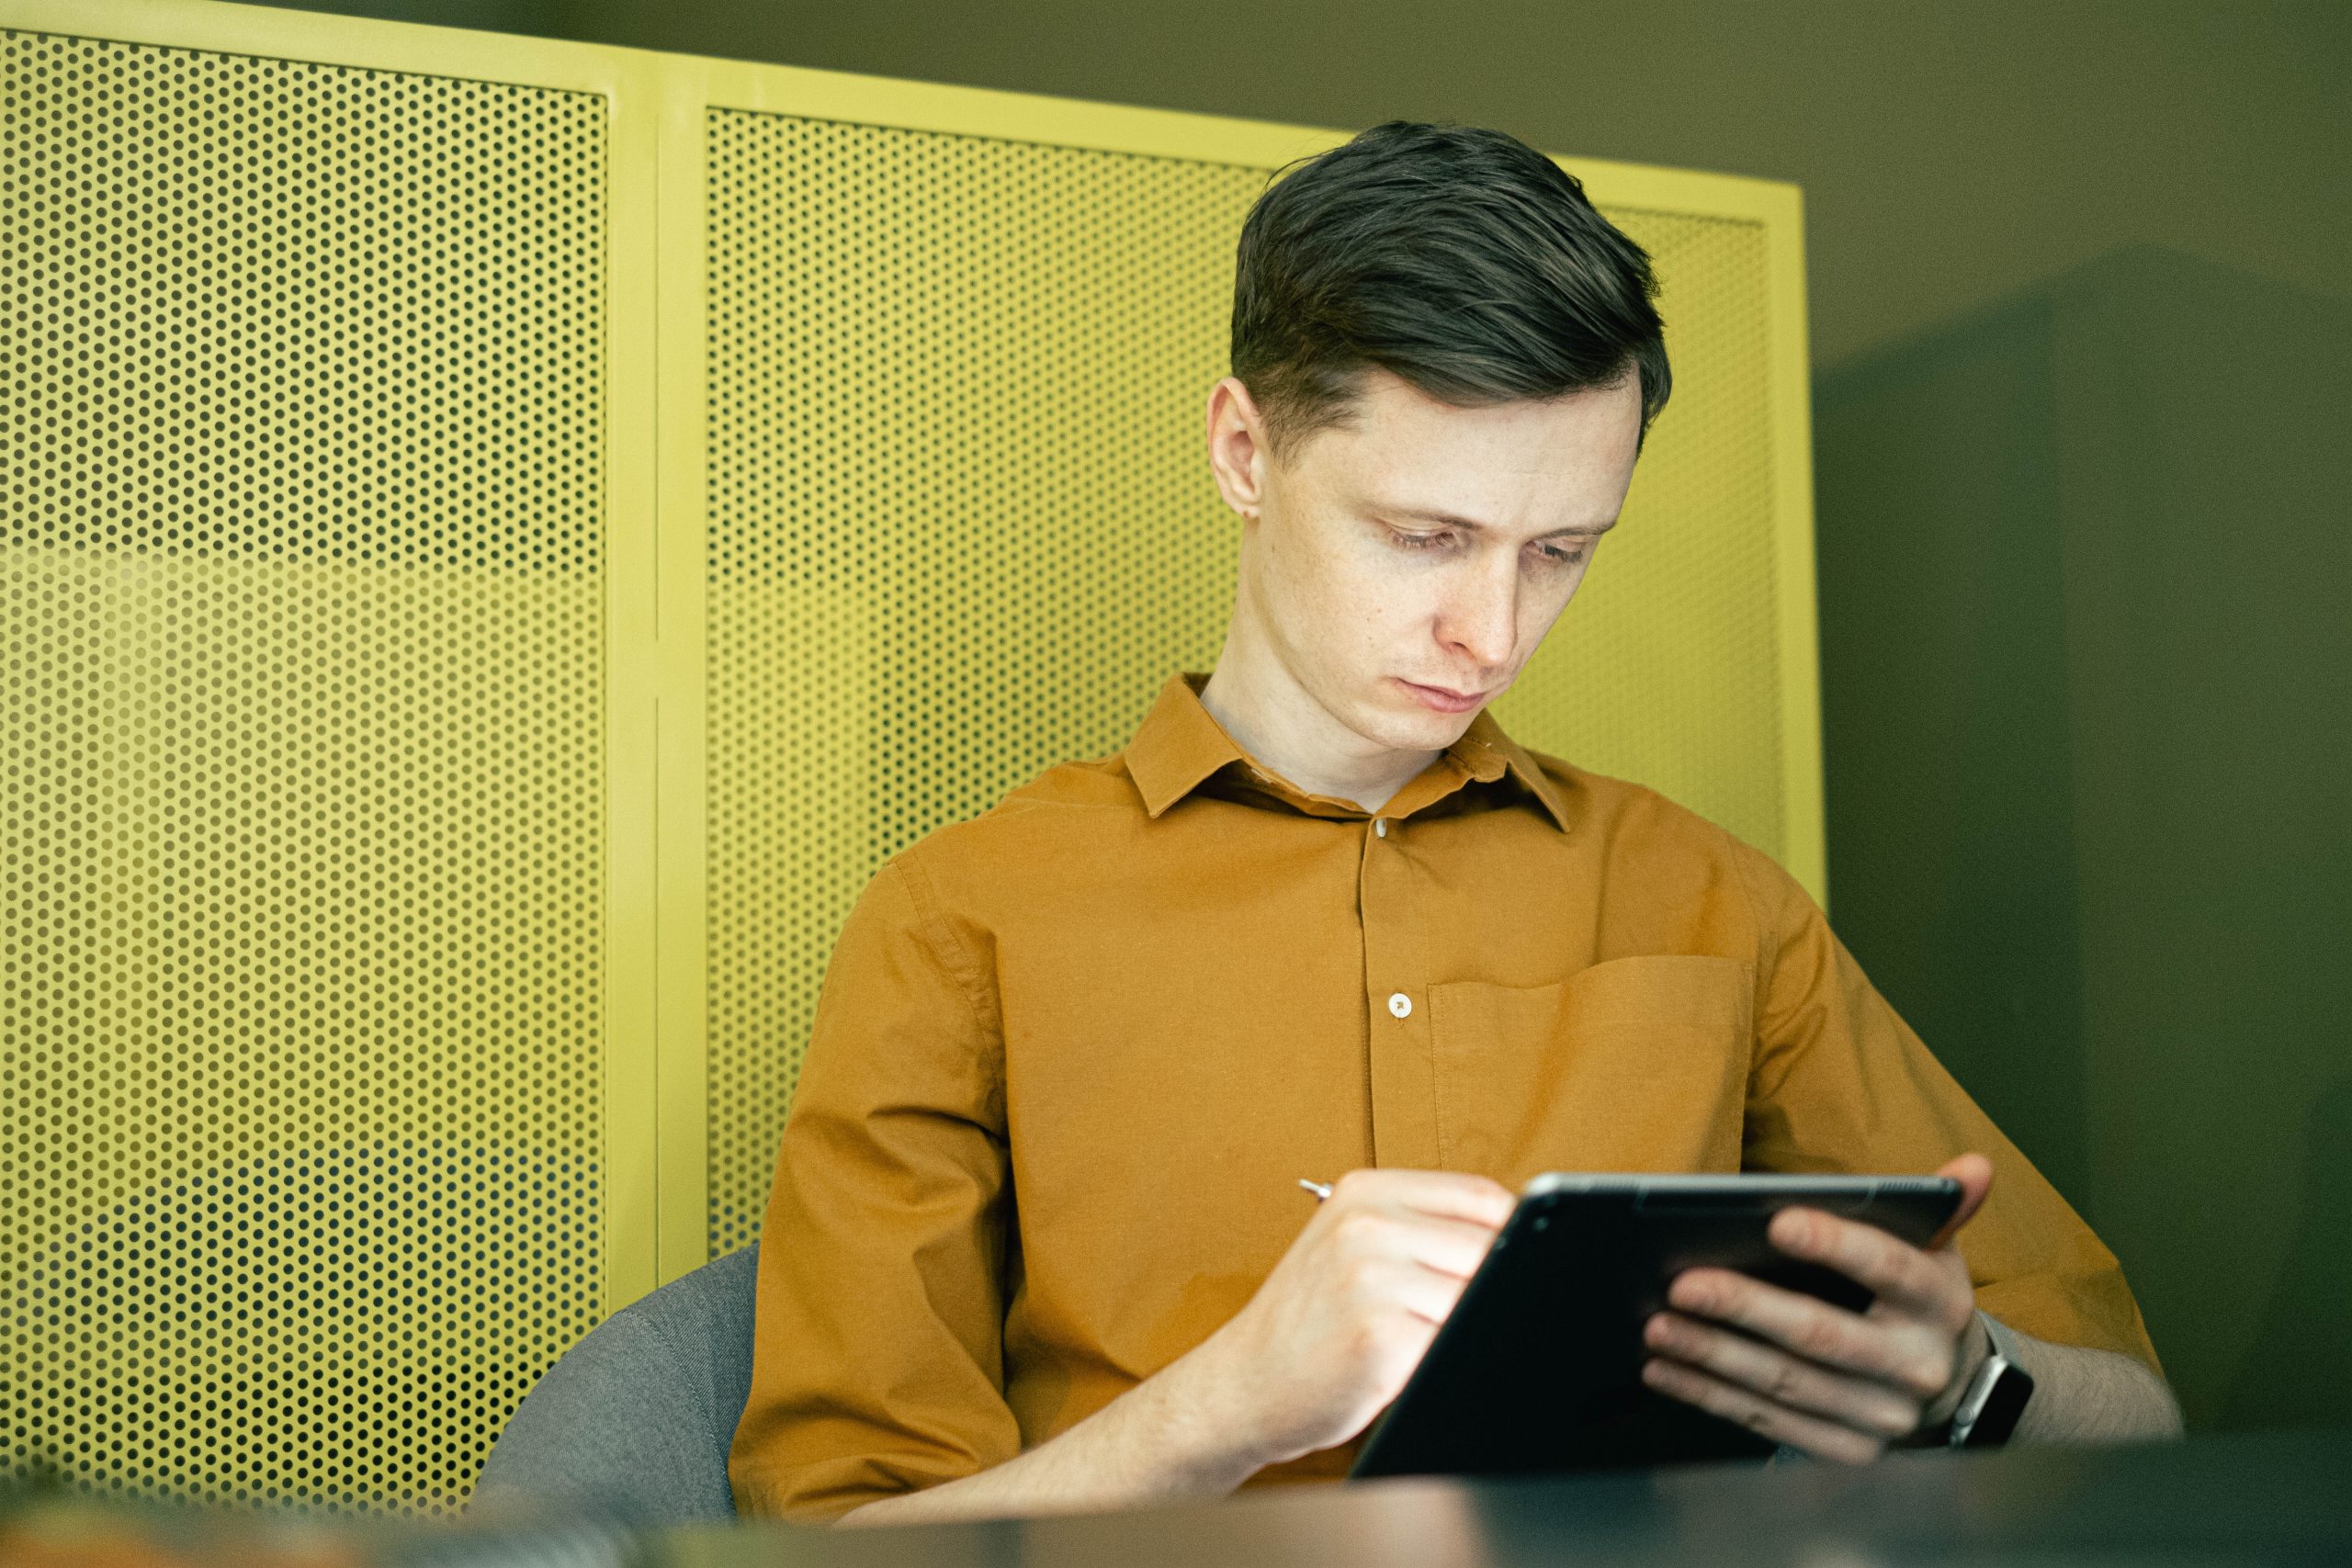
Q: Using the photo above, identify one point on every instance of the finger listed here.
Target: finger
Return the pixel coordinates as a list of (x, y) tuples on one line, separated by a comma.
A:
[(1812, 1329), (1447, 1194), (1826, 1439), (1975, 1174), (1890, 1267), (1450, 1247), (1782, 1378), (1423, 1293)]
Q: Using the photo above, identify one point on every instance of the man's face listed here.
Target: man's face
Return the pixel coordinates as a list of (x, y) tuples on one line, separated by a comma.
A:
[(1404, 568)]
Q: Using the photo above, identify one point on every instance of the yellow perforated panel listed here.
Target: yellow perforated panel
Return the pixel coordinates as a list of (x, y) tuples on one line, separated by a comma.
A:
[(433, 768), (961, 528), (955, 532), (302, 751)]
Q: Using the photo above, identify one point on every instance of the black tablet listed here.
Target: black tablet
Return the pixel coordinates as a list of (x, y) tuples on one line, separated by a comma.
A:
[(1538, 1368)]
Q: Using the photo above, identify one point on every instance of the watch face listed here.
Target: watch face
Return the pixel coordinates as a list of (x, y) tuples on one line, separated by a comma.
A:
[(2003, 1405)]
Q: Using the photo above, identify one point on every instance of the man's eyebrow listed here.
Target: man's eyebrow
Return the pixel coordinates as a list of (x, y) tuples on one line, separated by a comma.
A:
[(1447, 519)]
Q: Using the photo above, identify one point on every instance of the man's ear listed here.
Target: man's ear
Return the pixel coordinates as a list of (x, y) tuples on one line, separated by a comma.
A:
[(1236, 441)]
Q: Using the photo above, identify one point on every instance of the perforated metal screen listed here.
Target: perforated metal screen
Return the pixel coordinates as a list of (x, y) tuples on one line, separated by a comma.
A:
[(301, 825), (376, 648), (957, 524), (961, 528)]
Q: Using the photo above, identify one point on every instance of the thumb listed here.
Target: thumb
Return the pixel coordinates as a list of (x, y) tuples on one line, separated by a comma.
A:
[(1975, 1174)]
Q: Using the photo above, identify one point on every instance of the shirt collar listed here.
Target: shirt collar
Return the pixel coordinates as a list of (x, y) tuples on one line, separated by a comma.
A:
[(1180, 744), (1489, 754)]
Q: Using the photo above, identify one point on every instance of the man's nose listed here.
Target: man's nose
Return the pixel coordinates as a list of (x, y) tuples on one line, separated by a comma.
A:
[(1480, 618)]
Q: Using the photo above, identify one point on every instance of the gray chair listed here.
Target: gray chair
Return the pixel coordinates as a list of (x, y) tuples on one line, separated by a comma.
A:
[(633, 1423)]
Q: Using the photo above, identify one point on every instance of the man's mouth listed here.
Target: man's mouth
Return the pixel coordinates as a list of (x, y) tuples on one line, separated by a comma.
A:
[(1443, 699)]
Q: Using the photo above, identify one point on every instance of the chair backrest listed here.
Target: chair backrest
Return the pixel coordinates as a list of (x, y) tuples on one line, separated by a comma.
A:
[(635, 1421)]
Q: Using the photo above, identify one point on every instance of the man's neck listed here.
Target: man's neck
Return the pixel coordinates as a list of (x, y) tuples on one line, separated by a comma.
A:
[(1271, 716)]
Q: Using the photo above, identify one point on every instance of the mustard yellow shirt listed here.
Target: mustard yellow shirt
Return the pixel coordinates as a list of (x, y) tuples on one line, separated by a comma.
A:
[(1072, 1057)]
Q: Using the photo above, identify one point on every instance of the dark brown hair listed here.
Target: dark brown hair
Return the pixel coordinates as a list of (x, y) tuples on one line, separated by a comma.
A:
[(1460, 259)]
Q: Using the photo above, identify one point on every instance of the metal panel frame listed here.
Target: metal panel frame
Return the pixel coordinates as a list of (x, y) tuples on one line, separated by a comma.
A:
[(656, 1140)]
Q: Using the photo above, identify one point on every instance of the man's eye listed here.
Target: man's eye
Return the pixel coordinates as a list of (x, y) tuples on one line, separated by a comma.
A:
[(1561, 555), (1416, 541)]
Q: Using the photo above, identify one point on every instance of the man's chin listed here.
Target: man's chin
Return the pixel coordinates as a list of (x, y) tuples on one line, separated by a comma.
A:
[(1404, 724)]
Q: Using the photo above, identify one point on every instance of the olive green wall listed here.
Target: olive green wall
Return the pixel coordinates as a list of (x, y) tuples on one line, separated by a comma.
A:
[(1952, 152), (2078, 277), (2087, 682)]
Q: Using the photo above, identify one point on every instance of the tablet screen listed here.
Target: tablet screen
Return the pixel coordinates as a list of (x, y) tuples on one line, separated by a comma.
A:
[(1538, 1368)]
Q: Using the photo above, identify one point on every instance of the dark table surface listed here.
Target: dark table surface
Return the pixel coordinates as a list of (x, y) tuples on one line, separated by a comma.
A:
[(2257, 1498), (2277, 1497)]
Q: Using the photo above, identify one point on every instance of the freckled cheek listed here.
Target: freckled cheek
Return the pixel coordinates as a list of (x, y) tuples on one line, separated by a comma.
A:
[(1333, 623), (1362, 604), (1298, 594), (1396, 616)]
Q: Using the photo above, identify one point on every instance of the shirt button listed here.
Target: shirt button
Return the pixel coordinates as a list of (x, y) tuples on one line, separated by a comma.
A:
[(1400, 1004), (1380, 827)]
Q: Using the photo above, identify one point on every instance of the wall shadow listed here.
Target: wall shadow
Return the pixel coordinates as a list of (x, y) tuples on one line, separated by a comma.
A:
[(2298, 1370), (2086, 661)]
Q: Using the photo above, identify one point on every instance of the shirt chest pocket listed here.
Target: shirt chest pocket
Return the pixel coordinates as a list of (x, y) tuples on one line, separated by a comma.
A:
[(1637, 1064)]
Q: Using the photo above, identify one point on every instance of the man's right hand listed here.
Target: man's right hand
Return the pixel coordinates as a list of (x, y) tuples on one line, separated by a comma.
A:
[(1326, 1342), (1331, 1338)]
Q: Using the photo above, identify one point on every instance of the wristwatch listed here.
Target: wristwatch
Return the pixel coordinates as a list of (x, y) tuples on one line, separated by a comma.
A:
[(1988, 1412)]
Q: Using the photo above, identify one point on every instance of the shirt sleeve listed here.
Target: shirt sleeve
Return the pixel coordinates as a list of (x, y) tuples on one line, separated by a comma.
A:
[(877, 1355), (1840, 1083)]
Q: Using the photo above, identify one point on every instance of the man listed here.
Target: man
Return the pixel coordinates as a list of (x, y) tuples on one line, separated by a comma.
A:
[(1036, 1239)]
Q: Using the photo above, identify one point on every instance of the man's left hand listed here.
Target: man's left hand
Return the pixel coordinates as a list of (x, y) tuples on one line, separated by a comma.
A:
[(1838, 1384)]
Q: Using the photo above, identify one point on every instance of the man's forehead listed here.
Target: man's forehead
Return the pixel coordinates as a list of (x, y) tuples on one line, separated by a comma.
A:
[(1537, 466)]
